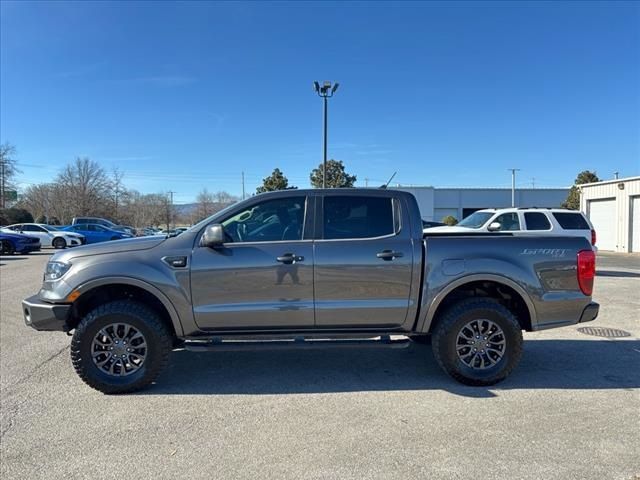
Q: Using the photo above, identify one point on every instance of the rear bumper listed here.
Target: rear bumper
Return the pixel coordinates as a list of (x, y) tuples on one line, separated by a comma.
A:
[(590, 312), (45, 316)]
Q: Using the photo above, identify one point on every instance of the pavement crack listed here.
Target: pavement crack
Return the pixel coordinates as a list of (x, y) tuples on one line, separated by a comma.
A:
[(37, 367), (10, 412)]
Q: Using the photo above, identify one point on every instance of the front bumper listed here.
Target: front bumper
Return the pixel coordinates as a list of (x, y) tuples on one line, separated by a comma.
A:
[(45, 316), (590, 312)]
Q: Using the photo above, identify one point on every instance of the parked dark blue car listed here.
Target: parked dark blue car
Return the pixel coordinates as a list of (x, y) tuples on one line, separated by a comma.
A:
[(95, 233), (11, 242)]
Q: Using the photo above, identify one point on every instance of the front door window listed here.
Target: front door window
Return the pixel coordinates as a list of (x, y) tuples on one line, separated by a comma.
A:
[(271, 221)]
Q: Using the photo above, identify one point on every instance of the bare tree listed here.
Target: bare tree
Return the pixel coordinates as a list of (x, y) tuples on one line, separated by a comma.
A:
[(117, 190), (225, 198), (37, 198), (8, 170), (205, 203), (86, 185)]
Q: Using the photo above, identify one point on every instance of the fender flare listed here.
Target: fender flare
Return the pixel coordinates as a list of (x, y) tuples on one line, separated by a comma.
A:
[(156, 292), (478, 278)]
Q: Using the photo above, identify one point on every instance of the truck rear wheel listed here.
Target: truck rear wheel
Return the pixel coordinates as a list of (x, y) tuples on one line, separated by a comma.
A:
[(120, 347), (478, 342)]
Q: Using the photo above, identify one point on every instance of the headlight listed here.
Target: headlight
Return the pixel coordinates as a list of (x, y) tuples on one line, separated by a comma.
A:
[(55, 270)]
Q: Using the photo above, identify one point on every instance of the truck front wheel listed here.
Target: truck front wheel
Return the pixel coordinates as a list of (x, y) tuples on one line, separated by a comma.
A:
[(478, 342), (120, 347)]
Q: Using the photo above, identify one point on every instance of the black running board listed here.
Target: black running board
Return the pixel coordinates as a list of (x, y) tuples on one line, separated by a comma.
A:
[(219, 344)]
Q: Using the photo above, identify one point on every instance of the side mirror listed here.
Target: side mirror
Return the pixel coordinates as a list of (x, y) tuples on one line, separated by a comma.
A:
[(494, 227), (213, 236)]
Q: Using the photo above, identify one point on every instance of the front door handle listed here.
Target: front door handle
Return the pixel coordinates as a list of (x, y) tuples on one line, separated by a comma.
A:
[(289, 258), (388, 255)]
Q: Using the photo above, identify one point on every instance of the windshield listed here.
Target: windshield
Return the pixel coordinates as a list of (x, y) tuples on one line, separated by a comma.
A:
[(475, 220)]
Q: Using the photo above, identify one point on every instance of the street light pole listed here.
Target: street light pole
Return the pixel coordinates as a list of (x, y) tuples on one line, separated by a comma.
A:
[(513, 185), (325, 91), (324, 142)]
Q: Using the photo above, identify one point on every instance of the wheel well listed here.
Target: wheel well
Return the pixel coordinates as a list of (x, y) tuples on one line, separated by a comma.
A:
[(108, 293), (504, 294)]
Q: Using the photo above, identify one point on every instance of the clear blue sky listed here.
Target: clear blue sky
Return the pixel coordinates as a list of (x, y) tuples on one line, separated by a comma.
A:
[(185, 96)]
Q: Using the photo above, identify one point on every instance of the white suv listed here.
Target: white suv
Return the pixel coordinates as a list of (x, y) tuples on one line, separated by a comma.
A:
[(525, 221)]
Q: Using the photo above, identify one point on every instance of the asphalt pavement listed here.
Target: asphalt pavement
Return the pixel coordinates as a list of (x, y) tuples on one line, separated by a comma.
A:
[(571, 410)]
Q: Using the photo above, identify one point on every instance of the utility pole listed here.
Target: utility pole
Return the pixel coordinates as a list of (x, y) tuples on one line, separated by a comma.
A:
[(616, 174), (2, 183), (513, 185), (533, 182), (170, 212), (366, 182), (326, 92), (243, 185), (117, 191)]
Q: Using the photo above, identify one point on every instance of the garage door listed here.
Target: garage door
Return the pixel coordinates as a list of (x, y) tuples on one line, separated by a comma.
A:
[(602, 214), (635, 224)]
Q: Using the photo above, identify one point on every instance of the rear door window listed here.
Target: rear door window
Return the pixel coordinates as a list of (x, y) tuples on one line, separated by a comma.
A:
[(571, 221), (357, 217), (537, 221)]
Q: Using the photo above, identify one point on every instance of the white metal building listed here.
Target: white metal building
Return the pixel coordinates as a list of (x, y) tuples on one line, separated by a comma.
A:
[(614, 209), (437, 203)]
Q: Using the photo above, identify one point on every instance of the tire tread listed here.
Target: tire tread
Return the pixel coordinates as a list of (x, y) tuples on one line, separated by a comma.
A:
[(130, 308), (445, 325)]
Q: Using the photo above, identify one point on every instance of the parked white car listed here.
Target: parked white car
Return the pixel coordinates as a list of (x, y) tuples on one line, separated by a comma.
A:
[(49, 235), (525, 221)]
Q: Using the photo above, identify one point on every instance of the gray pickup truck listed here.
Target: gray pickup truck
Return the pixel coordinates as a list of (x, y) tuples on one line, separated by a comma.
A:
[(305, 268)]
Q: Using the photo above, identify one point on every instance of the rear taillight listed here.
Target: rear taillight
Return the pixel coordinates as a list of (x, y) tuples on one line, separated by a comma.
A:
[(586, 270), (593, 237)]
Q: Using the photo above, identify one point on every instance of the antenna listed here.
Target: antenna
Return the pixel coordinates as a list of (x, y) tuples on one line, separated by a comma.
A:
[(387, 184)]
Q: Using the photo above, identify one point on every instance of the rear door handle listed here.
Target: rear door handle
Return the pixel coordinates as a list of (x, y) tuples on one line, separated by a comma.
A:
[(388, 254), (289, 258)]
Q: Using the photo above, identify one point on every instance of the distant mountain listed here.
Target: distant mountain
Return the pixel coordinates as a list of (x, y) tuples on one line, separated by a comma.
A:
[(186, 208)]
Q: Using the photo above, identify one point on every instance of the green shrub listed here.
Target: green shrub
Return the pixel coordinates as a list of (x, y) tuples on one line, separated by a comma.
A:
[(450, 220)]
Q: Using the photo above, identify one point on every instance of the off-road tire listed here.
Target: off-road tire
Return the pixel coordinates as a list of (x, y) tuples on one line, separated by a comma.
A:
[(59, 242), (158, 338), (454, 319)]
